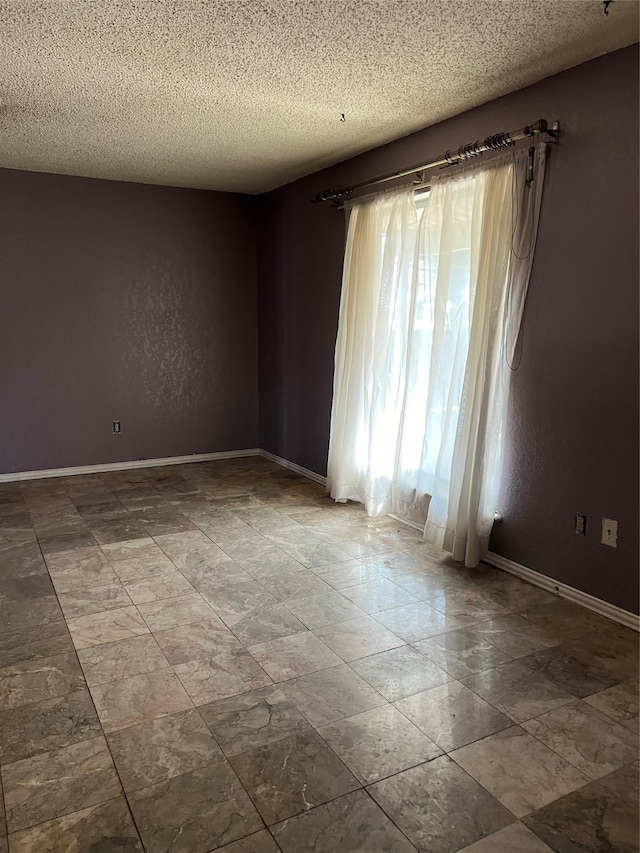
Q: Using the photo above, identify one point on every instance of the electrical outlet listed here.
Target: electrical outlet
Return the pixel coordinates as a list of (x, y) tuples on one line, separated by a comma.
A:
[(581, 525), (610, 532), (116, 426)]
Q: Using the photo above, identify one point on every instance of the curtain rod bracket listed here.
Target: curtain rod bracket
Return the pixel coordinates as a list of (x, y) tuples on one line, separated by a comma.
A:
[(532, 153)]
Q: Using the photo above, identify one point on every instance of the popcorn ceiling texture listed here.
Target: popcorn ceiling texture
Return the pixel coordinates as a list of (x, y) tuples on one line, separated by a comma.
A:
[(246, 96)]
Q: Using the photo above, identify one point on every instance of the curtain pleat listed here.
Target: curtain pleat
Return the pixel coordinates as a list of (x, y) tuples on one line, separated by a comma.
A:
[(432, 299)]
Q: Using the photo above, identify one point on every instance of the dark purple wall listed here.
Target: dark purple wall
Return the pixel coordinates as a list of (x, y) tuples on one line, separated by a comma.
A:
[(125, 302), (573, 426)]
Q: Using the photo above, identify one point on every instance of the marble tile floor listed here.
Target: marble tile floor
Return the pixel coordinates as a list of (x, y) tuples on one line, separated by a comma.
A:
[(214, 656)]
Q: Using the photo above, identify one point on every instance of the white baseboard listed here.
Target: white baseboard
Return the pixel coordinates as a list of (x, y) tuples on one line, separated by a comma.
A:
[(127, 466), (292, 466), (597, 605)]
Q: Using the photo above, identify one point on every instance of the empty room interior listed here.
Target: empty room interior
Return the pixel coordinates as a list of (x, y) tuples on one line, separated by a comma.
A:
[(319, 434)]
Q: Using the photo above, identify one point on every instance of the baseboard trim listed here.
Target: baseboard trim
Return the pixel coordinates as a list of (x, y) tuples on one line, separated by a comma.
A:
[(292, 466), (127, 466), (597, 605)]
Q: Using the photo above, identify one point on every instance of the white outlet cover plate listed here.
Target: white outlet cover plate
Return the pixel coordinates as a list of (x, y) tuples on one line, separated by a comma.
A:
[(610, 532)]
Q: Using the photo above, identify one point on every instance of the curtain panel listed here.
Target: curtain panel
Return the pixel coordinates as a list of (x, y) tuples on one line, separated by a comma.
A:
[(432, 299)]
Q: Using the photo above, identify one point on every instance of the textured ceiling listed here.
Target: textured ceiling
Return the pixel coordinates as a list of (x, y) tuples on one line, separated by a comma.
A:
[(245, 96)]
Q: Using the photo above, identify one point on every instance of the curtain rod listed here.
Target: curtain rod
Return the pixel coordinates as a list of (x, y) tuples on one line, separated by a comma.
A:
[(449, 158)]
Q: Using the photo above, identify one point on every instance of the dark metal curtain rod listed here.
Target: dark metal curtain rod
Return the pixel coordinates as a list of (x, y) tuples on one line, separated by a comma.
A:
[(449, 158)]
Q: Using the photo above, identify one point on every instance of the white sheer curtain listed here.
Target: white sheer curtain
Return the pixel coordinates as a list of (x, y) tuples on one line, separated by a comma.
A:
[(432, 298)]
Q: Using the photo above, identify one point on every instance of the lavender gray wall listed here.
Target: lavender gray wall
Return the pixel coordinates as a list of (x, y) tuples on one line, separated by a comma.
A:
[(573, 424), (124, 302)]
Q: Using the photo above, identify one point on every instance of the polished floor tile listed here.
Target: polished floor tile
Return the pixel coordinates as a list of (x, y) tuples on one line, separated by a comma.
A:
[(462, 653), (145, 547), (158, 520), (515, 594), (376, 596), (518, 691), (267, 623), (20, 558), (226, 674), (292, 775), (197, 641), (86, 600), (19, 614), (468, 607), (569, 674), (190, 549), (590, 820), (55, 543), (351, 573), (351, 823), (515, 635), (426, 586), (53, 784), (415, 622), (99, 574), (249, 720), (29, 586), (311, 554), (288, 586), (171, 612), (400, 672), (33, 641), (235, 602), (520, 771), (378, 743), (148, 564), (625, 782), (358, 638), (160, 749), (331, 694), (38, 679), (88, 560), (620, 703), (140, 698), (258, 653), (194, 812), (515, 838), (606, 653), (122, 659), (439, 807), (210, 580), (105, 827), (146, 590), (326, 609), (106, 627), (452, 715), (43, 726), (589, 740), (565, 620), (290, 657), (116, 530)]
